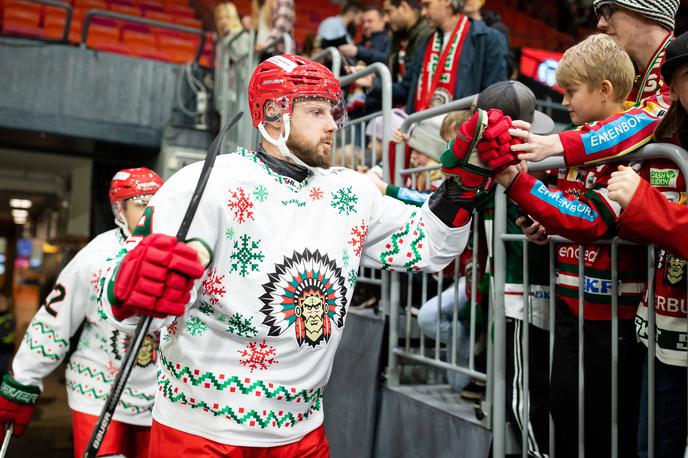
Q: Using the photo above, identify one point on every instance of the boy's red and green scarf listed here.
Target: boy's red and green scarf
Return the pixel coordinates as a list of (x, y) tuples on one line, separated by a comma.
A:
[(440, 68)]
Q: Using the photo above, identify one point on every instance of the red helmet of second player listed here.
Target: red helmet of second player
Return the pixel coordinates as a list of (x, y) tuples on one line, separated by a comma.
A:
[(130, 183), (285, 78)]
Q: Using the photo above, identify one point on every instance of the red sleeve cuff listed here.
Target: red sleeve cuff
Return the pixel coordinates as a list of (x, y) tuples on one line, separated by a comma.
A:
[(632, 218), (574, 151)]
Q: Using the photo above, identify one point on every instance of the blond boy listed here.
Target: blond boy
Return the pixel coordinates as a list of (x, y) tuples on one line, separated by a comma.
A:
[(596, 75)]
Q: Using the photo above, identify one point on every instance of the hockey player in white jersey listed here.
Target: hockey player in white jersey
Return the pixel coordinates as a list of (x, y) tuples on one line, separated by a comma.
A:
[(93, 365), (254, 319)]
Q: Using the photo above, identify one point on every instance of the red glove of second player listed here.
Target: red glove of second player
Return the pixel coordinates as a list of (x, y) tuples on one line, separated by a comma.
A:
[(156, 277), (495, 147), (17, 403)]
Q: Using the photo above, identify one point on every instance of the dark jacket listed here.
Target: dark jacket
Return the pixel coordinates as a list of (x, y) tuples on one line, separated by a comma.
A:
[(414, 37), (483, 62), (375, 48)]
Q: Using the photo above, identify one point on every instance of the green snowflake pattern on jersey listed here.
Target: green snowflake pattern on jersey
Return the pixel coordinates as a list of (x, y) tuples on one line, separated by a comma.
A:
[(246, 255), (344, 201), (352, 278), (195, 326), (241, 326), (346, 258), (260, 193)]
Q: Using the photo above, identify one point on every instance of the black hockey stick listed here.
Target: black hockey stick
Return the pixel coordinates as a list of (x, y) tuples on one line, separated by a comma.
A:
[(144, 324)]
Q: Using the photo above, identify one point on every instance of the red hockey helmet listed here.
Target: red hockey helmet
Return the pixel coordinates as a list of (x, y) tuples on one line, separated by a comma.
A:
[(285, 78), (130, 183)]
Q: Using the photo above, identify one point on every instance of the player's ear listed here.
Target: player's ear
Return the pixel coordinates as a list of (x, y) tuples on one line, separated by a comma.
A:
[(273, 114)]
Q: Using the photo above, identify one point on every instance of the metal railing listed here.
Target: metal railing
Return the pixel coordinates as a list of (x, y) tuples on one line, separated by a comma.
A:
[(353, 137), (419, 354), (654, 151), (335, 57), (139, 20)]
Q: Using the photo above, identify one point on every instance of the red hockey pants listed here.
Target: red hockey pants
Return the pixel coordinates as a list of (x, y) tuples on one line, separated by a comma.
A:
[(120, 438), (166, 442)]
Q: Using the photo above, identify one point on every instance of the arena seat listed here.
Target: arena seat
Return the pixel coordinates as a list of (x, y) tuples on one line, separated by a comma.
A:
[(90, 4), (22, 18), (54, 20), (187, 21), (177, 49), (180, 10), (158, 16), (131, 10)]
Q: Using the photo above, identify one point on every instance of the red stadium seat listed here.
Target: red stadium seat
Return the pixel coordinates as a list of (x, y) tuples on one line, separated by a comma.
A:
[(180, 10), (54, 22), (136, 37), (22, 18), (158, 16), (90, 4), (177, 49), (125, 9), (189, 22)]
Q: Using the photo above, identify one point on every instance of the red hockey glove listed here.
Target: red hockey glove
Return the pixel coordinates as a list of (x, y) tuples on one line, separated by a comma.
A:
[(17, 403), (156, 277), (460, 160), (495, 148)]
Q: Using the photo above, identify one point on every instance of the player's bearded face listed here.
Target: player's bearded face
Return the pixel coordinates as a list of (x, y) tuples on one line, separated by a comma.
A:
[(312, 132)]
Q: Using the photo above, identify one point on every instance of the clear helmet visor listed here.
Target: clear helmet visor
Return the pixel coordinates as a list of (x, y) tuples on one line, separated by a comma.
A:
[(310, 109)]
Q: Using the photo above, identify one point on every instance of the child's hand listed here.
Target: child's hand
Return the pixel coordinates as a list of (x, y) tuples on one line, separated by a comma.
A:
[(622, 185), (534, 147), (400, 137), (535, 231)]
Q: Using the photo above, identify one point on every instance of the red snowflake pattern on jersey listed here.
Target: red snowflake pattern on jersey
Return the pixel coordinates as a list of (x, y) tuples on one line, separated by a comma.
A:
[(258, 356), (173, 327), (358, 235), (240, 204), (213, 288), (112, 369), (95, 279), (316, 193)]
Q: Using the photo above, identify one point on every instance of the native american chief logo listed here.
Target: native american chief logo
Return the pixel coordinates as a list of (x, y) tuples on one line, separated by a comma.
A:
[(675, 270), (307, 291), (120, 343)]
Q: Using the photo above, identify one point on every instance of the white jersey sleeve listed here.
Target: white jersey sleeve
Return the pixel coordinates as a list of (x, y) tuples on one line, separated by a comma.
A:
[(46, 340), (405, 237)]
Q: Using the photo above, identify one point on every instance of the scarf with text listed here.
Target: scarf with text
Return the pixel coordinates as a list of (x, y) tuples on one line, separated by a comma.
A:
[(438, 75), (648, 84)]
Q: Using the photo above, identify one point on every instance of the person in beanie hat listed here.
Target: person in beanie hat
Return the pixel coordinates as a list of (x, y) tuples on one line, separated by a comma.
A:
[(643, 28)]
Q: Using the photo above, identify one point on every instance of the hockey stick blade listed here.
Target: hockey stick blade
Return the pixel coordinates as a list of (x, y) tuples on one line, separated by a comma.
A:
[(118, 385)]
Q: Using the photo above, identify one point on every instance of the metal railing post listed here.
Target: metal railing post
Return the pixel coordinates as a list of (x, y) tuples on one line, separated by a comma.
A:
[(336, 59)]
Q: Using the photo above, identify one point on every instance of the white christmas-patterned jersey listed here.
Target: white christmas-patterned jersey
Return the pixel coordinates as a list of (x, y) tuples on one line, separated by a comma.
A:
[(94, 364), (249, 360)]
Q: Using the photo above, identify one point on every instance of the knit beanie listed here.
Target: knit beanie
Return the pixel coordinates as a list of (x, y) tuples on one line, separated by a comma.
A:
[(425, 138), (662, 11)]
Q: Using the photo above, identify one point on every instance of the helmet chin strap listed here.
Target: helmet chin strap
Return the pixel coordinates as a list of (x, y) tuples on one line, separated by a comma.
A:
[(281, 144), (119, 221)]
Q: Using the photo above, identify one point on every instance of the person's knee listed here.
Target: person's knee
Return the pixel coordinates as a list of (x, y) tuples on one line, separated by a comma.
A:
[(427, 318)]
